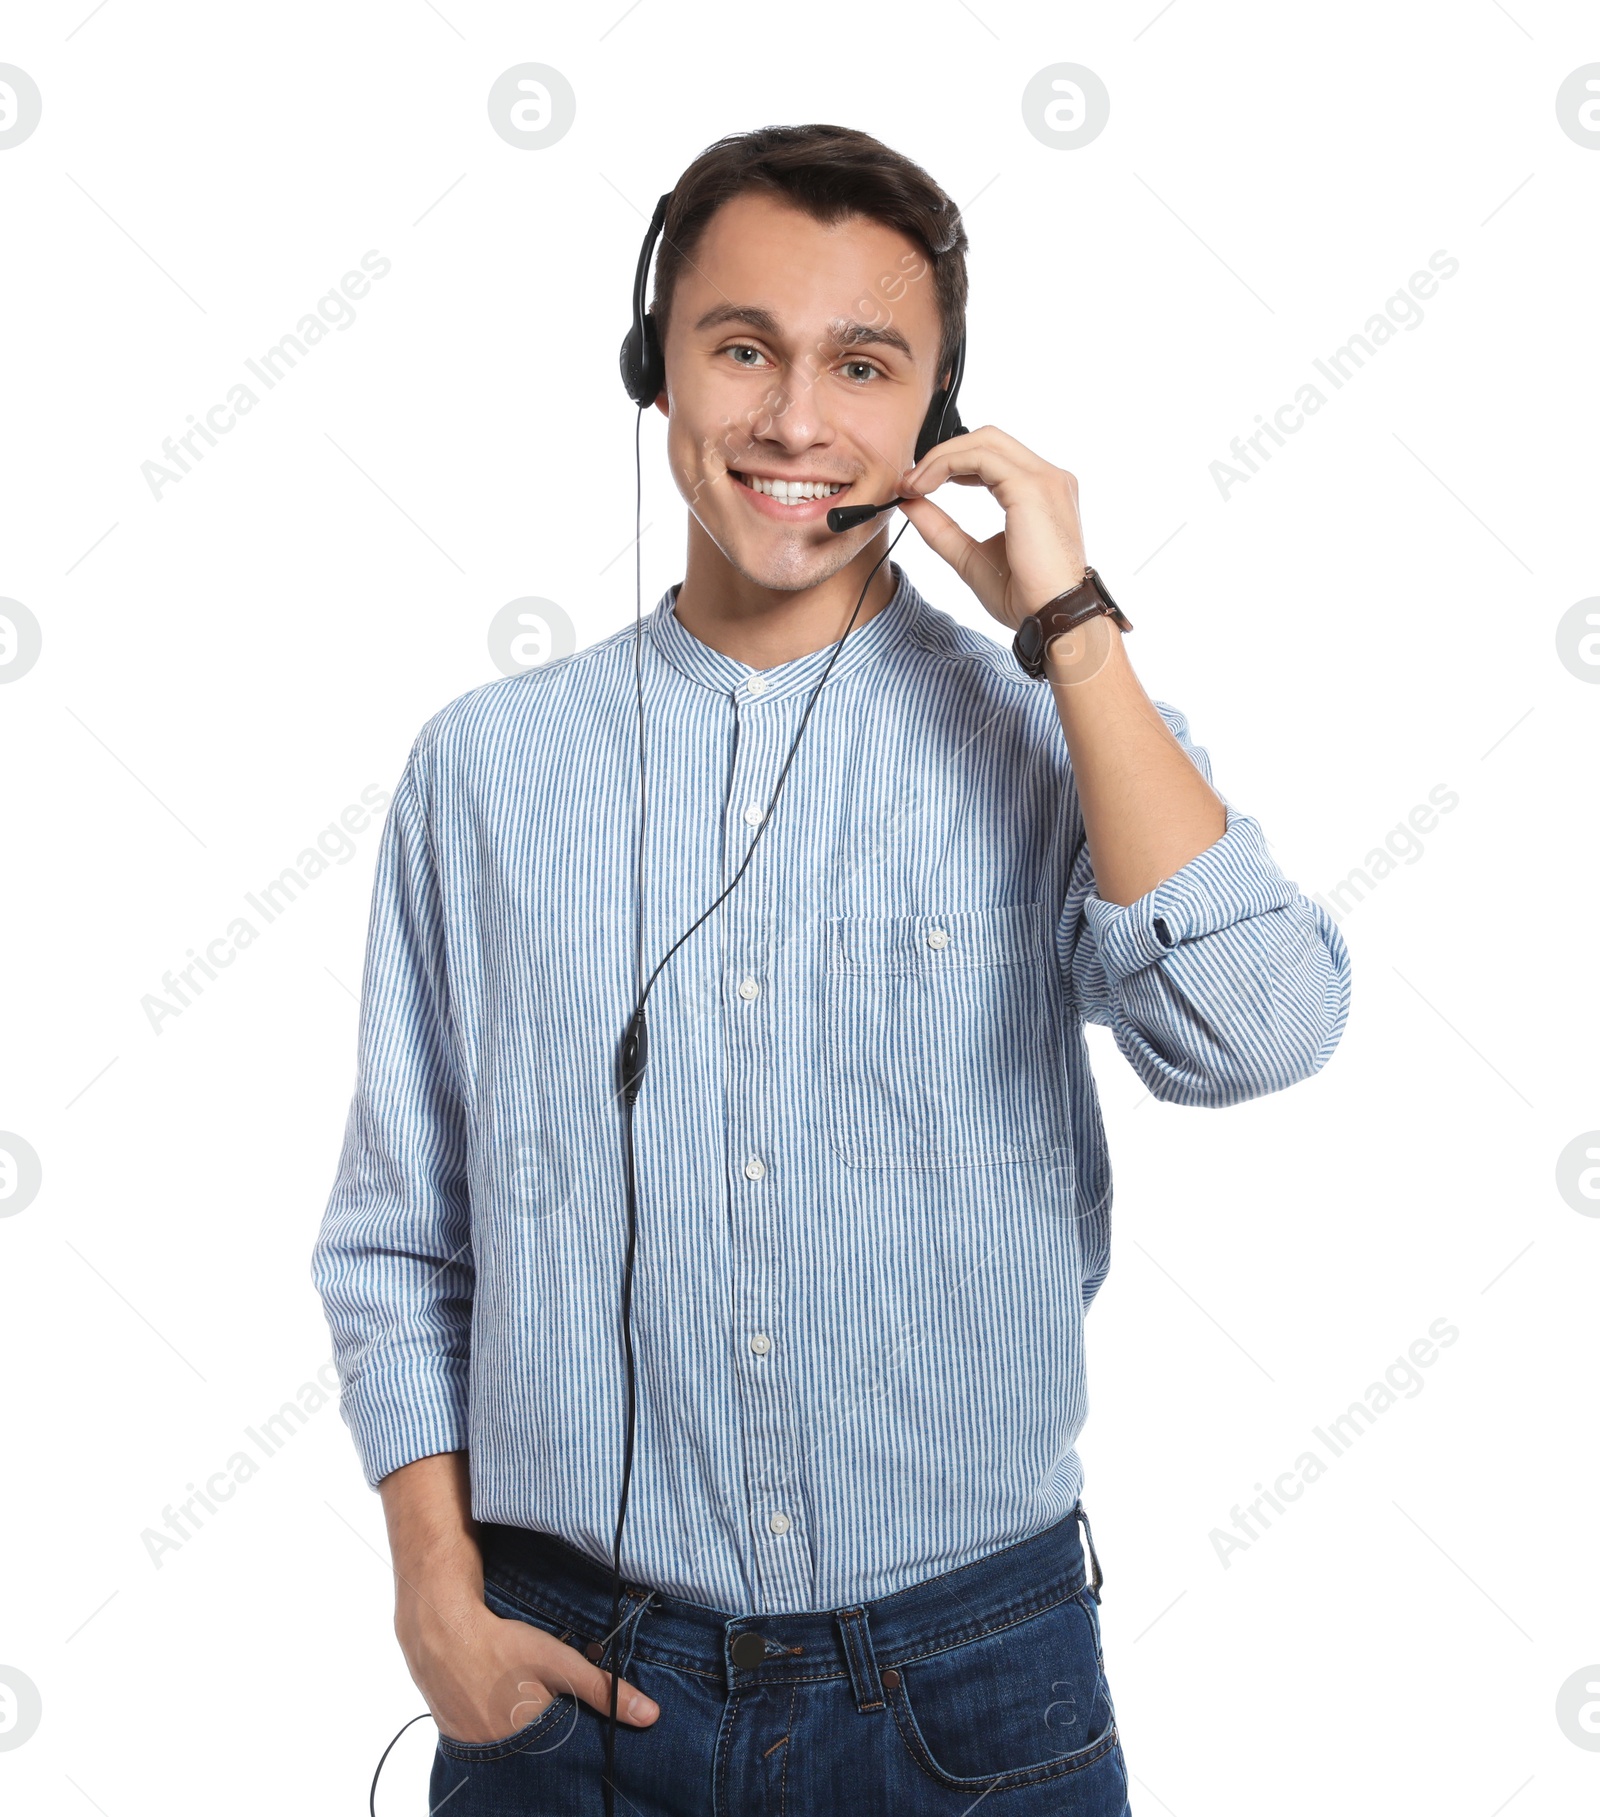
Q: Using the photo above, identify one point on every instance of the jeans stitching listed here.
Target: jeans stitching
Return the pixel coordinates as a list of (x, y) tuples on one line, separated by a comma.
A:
[(725, 1747), (783, 1774), (513, 1743), (1032, 1613), (1087, 1756)]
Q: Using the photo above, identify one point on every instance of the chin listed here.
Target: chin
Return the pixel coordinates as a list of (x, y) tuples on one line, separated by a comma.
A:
[(784, 563)]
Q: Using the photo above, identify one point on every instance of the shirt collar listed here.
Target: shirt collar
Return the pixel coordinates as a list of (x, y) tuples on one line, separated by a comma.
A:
[(723, 674)]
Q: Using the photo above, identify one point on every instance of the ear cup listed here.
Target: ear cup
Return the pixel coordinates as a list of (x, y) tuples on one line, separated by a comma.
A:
[(943, 419), (643, 369), (628, 361)]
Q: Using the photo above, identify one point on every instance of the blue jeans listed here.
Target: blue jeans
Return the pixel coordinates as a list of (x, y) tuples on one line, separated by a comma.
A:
[(986, 1682)]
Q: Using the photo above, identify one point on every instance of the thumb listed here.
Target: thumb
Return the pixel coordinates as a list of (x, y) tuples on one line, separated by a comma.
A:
[(978, 564), (939, 531)]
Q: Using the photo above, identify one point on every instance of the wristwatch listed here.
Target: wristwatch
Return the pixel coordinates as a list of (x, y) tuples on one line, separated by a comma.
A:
[(1084, 601)]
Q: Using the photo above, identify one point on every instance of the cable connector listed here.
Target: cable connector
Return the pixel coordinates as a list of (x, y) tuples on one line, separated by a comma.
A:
[(634, 1053)]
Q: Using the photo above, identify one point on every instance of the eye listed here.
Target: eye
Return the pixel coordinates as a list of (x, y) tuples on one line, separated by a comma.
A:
[(865, 366), (744, 347)]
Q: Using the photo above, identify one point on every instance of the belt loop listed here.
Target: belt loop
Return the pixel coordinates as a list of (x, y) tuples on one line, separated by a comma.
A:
[(630, 1624), (858, 1653), (1082, 1513)]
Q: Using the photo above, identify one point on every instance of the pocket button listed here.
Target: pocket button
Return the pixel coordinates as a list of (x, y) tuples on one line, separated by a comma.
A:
[(938, 938)]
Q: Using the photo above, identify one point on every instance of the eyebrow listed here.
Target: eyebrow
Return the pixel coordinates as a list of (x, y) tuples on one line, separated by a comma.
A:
[(844, 331)]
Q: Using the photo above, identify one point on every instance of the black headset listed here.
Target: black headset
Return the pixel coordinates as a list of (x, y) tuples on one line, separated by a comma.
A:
[(643, 376)]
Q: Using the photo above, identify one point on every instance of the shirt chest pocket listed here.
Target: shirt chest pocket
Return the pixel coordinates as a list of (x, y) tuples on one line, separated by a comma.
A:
[(943, 1038)]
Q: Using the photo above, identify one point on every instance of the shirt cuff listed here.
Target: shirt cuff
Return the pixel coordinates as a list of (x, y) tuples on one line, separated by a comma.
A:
[(396, 1421), (1231, 880)]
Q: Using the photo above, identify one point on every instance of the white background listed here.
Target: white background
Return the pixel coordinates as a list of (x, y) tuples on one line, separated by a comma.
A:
[(1371, 615)]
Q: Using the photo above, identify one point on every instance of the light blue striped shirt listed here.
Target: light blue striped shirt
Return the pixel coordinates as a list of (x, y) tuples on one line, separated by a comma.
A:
[(874, 1195)]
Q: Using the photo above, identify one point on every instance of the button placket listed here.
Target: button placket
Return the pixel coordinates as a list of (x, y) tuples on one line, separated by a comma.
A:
[(763, 1385)]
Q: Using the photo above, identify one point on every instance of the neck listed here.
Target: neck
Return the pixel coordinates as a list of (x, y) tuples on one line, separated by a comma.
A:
[(765, 626)]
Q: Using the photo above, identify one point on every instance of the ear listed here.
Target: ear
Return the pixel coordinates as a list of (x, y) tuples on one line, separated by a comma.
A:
[(661, 403)]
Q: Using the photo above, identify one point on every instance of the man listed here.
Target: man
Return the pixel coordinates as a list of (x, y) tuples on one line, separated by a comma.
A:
[(873, 1190)]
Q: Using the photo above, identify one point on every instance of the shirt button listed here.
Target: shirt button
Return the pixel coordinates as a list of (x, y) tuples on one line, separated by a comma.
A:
[(779, 1523), (938, 938), (761, 1343), (754, 814), (757, 684), (753, 1169), (749, 989)]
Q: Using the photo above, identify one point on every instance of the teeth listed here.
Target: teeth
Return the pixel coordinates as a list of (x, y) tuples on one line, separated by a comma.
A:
[(790, 492)]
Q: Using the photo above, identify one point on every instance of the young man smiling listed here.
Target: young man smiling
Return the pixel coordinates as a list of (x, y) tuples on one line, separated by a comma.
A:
[(873, 1186)]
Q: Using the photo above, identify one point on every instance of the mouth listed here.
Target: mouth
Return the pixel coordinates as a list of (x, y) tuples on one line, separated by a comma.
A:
[(797, 500)]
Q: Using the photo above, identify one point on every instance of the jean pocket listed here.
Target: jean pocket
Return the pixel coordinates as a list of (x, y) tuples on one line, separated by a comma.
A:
[(1012, 1708), (944, 1038), (547, 1727)]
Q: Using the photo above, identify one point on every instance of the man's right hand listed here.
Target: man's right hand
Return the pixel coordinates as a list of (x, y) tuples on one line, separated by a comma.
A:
[(484, 1677)]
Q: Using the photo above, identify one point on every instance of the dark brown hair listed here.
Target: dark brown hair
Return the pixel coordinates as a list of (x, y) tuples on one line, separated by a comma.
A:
[(829, 172)]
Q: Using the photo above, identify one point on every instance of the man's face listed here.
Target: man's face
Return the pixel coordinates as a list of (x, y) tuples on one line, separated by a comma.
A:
[(795, 352)]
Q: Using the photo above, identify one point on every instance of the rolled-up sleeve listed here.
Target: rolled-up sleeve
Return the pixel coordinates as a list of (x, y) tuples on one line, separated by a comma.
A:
[(1223, 982), (393, 1261)]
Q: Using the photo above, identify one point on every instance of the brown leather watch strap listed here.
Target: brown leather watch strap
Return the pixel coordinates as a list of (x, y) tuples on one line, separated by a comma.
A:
[(1060, 614)]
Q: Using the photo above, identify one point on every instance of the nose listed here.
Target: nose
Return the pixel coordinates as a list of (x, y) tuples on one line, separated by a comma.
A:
[(792, 416)]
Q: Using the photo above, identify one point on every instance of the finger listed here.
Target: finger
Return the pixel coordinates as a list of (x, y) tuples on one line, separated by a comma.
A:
[(1020, 452), (563, 1668), (632, 1704), (975, 562), (941, 532), (989, 453), (992, 437)]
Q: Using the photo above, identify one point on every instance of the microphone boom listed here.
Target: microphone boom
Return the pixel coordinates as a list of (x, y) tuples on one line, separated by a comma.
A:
[(846, 517)]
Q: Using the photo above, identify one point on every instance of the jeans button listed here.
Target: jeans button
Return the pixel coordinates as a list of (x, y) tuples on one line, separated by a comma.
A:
[(748, 1649), (593, 1650), (890, 1679)]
